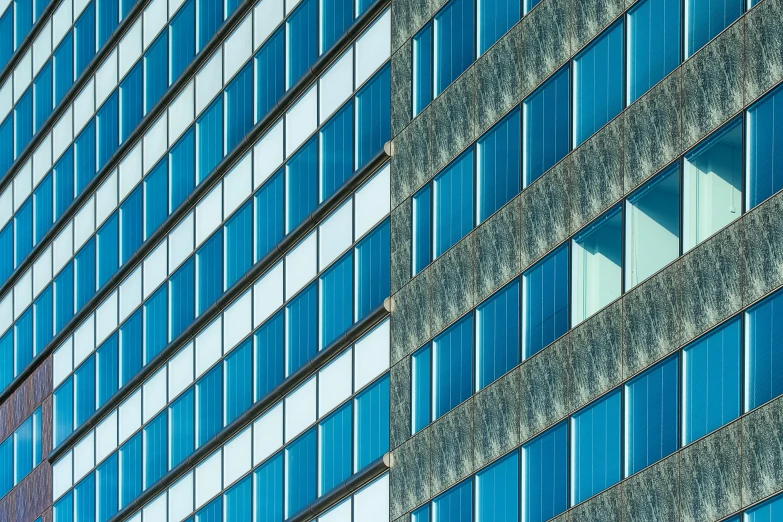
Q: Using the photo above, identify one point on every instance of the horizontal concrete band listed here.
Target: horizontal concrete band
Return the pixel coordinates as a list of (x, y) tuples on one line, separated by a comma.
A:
[(202, 189), (269, 400)]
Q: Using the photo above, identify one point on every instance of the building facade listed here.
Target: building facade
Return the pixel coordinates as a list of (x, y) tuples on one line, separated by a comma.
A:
[(391, 260)]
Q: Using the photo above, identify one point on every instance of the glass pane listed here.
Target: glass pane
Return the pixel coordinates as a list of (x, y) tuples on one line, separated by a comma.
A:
[(300, 471), (421, 408), (497, 491), (765, 137), (455, 505), (653, 44), (546, 301), (712, 185), (545, 475), (704, 19), (422, 69), (497, 334), (764, 354), (422, 229), (498, 158), (495, 18), (454, 41), (452, 359), (547, 121), (453, 202)]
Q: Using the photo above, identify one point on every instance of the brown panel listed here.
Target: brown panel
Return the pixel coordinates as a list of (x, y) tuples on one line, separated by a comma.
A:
[(26, 398), (30, 498)]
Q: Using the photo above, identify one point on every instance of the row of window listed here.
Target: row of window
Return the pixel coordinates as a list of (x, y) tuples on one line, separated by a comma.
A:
[(369, 503), (20, 452), (16, 23), (487, 175), (463, 29), (320, 167), (344, 293), (328, 428), (38, 209), (626, 430)]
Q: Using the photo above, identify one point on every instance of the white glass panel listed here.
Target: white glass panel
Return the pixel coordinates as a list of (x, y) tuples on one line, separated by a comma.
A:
[(373, 48), (23, 74), (300, 409), (62, 475), (301, 120), (154, 394), (209, 214), (180, 371), (156, 510), (181, 112), (84, 456), (209, 80), (42, 159), (62, 362), (84, 340), (336, 85), (63, 248), (84, 224), (155, 17), (63, 133), (339, 513), (372, 502), (268, 294), (268, 434), (6, 206), (42, 47), (181, 498), (130, 415), (208, 346), (106, 78), (334, 383), (372, 355), (372, 201), (130, 171), (130, 48), (335, 234), (237, 457), (268, 154), (106, 318), (239, 321), (181, 242), (61, 22), (155, 268), (238, 47), (106, 437), (130, 293), (106, 200), (300, 265), (208, 479), (23, 293), (237, 185), (155, 142), (42, 271), (83, 107), (267, 15)]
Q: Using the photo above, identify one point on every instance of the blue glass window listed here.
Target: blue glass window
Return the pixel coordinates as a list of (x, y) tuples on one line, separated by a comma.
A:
[(84, 499), (7, 143), (209, 405), (495, 18), (651, 415), (455, 505), (764, 137), (182, 165), (453, 362), (84, 147), (300, 472), (498, 158), (44, 208), (335, 448), (108, 249), (422, 69), (155, 324), (84, 395), (63, 297), (182, 294), (23, 120), (63, 509), (108, 18), (270, 74), (336, 164), (546, 301), (85, 274), (182, 420), (764, 356), (6, 251), (336, 17), (421, 370), (23, 330), (156, 71), (238, 504), (453, 195), (373, 270), (23, 9), (269, 490), (6, 361), (239, 106), (130, 347), (7, 471), (107, 479), (63, 67), (766, 512), (210, 17), (239, 380), (336, 292), (711, 381), (213, 512), (63, 182), (547, 126), (183, 40), (42, 86), (497, 491), (269, 215), (497, 334), (131, 225), (598, 83), (596, 447), (454, 42), (130, 470), (239, 244), (6, 40), (63, 411), (209, 272), (269, 355), (155, 450), (373, 116), (301, 40), (653, 44), (704, 19), (108, 129), (210, 150), (155, 197), (422, 514), (545, 475), (301, 183), (23, 223), (23, 442), (301, 325), (131, 96), (108, 369), (372, 423)]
